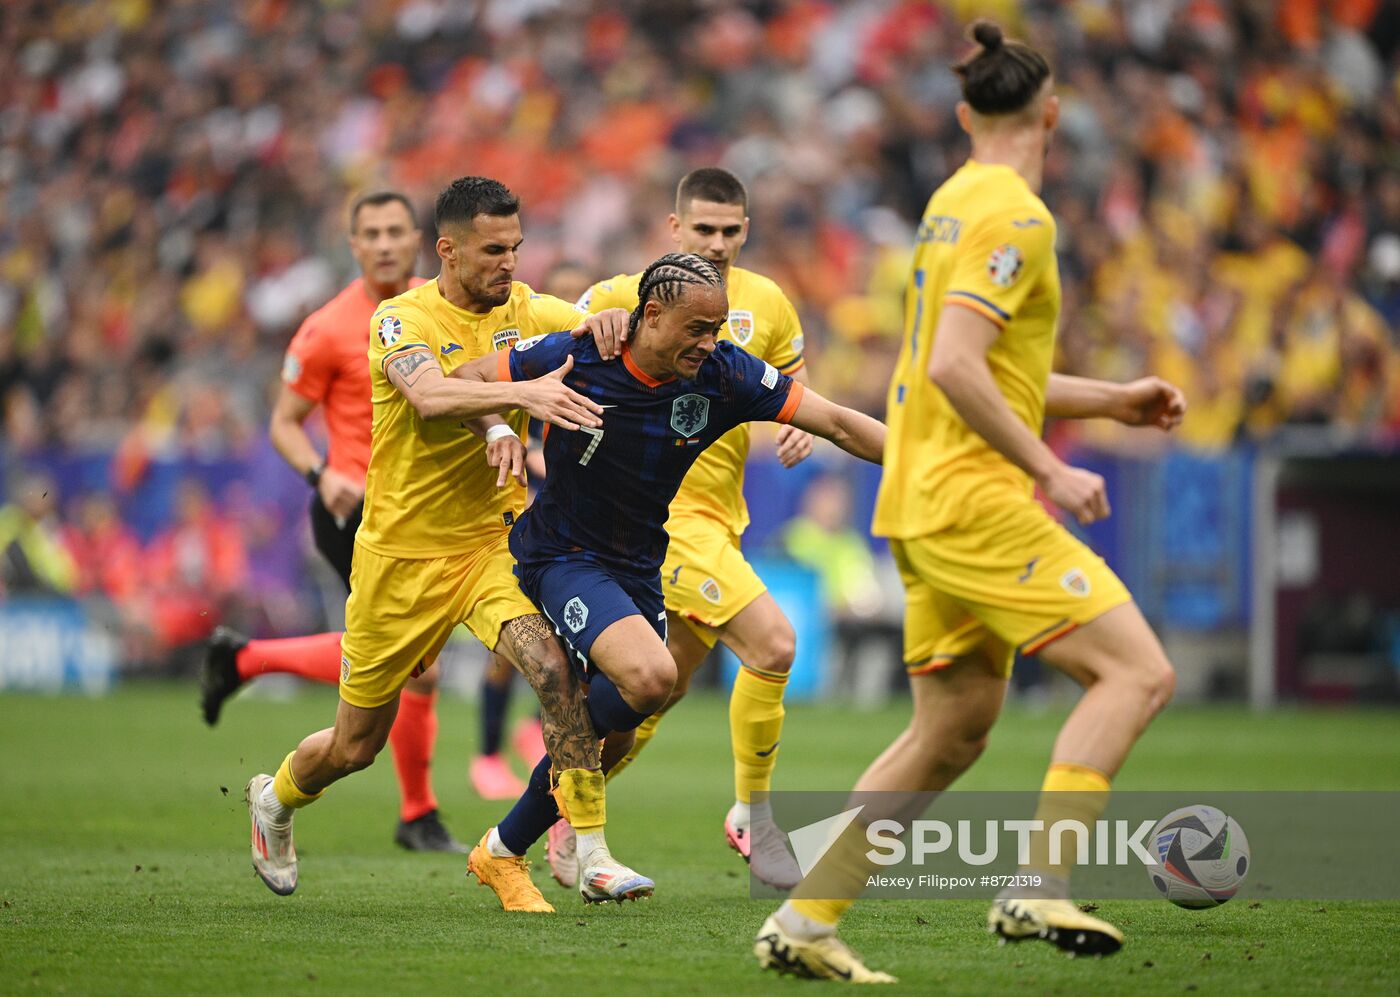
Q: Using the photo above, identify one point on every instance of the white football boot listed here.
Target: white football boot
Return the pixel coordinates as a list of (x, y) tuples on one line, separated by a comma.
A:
[(602, 878), (274, 855)]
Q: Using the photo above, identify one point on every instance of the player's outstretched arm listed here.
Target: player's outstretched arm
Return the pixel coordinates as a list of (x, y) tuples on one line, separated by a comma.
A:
[(852, 431), (959, 367), (419, 378), (546, 398), (1148, 401)]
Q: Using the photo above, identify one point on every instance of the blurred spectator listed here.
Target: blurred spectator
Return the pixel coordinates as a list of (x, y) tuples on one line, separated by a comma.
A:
[(106, 554), (196, 570), (567, 279), (33, 560), (822, 537), (865, 618)]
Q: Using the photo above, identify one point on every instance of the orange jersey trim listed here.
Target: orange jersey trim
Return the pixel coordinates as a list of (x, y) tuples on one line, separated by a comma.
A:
[(1046, 637), (986, 311), (405, 351), (503, 366), (638, 373), (932, 665), (794, 399)]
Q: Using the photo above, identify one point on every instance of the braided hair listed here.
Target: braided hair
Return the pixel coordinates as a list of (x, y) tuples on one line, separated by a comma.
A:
[(666, 280)]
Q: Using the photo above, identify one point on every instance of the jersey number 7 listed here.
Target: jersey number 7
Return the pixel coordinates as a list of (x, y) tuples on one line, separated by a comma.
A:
[(587, 454)]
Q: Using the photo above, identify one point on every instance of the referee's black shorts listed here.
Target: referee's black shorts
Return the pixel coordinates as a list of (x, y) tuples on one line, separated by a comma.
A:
[(335, 542)]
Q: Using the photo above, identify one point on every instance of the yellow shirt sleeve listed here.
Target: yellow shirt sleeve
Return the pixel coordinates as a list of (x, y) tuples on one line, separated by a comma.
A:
[(399, 327), (615, 292), (785, 348), (551, 314), (1000, 262)]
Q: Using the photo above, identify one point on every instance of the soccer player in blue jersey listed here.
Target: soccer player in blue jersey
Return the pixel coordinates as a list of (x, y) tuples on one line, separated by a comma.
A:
[(589, 550)]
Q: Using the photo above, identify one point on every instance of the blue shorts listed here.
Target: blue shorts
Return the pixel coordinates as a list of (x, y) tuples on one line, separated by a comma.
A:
[(582, 598)]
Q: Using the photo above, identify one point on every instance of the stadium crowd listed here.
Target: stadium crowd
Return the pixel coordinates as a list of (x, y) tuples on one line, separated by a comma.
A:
[(174, 180)]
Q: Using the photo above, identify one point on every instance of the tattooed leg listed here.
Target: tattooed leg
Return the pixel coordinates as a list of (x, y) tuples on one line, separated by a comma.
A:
[(530, 644)]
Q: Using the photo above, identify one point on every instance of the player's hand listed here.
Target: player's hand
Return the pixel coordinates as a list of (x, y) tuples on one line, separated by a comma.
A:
[(550, 400), (507, 453), (608, 329), (1150, 401), (794, 445), (339, 494), (1079, 492)]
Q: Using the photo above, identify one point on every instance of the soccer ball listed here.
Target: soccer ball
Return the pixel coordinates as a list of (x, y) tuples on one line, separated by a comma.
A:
[(1202, 857)]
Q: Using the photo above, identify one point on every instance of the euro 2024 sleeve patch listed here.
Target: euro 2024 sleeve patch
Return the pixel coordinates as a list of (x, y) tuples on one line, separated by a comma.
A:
[(1004, 265), (390, 329)]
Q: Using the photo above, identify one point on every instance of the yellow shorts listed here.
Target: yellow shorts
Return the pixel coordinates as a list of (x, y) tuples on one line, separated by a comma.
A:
[(401, 611), (1014, 583), (705, 579)]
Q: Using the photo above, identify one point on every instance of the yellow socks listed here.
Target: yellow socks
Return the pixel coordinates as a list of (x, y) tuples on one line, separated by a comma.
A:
[(284, 784), (644, 734), (831, 887), (582, 799), (755, 725), (1070, 792)]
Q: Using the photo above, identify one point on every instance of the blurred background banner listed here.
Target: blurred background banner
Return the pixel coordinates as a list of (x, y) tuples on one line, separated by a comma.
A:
[(174, 185)]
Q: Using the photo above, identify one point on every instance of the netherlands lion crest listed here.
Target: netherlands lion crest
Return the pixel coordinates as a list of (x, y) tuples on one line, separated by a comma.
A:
[(576, 614), (741, 326), (689, 414)]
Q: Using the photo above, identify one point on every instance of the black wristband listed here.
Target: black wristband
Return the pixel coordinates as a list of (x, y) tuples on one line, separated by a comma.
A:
[(313, 474)]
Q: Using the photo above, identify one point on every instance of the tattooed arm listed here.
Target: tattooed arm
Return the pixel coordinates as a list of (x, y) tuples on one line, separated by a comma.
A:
[(530, 644), (415, 372)]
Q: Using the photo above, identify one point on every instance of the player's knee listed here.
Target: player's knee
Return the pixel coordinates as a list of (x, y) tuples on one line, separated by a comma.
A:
[(778, 649), (955, 752), (651, 687), (939, 757), (1161, 685)]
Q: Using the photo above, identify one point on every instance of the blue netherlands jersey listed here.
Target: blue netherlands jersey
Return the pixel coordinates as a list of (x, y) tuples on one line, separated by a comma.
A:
[(608, 491)]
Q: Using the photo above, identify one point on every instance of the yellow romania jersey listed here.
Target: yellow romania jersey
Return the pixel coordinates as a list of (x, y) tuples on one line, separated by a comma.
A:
[(986, 242), (762, 321), (429, 491)]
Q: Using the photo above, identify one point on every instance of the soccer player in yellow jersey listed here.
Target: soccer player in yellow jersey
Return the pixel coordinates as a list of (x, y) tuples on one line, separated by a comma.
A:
[(987, 571), (712, 594), (432, 550)]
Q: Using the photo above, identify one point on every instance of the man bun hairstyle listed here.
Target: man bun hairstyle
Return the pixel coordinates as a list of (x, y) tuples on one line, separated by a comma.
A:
[(467, 197), (666, 280), (1002, 76), (711, 183)]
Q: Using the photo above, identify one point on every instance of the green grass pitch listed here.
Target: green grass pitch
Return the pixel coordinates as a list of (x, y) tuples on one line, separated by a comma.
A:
[(125, 865)]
